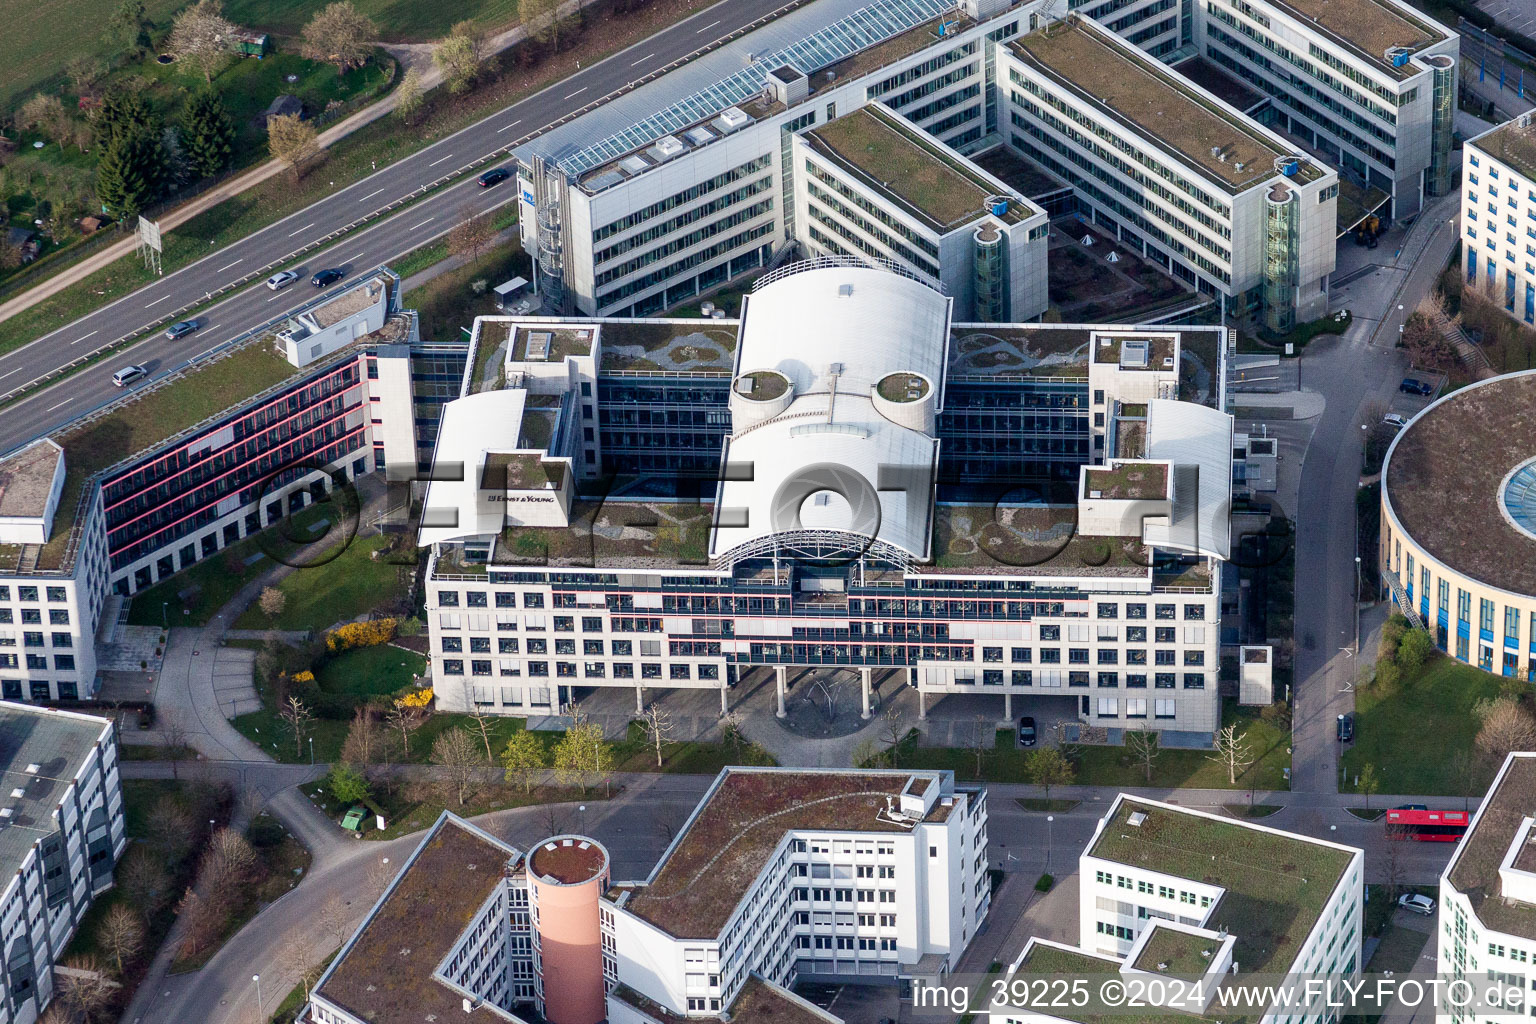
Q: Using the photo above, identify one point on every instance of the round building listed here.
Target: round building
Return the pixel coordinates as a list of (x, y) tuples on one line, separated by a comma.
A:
[(1458, 523)]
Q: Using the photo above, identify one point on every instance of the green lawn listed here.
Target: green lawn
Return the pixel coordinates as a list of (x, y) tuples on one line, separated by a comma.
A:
[(1111, 766), (447, 302), (369, 670), (43, 35), (339, 589), (1437, 703), (398, 21)]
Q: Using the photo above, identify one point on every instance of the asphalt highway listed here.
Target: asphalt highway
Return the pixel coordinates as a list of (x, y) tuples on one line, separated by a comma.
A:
[(358, 251)]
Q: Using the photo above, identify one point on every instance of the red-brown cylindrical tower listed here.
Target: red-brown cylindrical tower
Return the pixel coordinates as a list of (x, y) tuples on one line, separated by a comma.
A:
[(566, 878)]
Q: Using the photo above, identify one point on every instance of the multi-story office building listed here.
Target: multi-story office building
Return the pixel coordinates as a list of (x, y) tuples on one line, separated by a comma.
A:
[(61, 831), (1498, 215), (1173, 892), (844, 477), (778, 876), (1369, 86), (178, 470), (1179, 175), (1458, 524), (1488, 891)]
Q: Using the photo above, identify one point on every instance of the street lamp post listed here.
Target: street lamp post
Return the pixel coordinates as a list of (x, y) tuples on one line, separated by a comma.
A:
[(1049, 818), (582, 808), (257, 979), (1359, 587), (311, 750)]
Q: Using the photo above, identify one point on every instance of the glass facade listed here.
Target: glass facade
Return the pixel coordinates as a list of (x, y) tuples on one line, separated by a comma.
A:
[(1281, 258)]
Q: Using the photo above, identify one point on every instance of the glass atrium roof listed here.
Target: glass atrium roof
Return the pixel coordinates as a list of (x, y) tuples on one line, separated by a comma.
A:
[(1519, 498)]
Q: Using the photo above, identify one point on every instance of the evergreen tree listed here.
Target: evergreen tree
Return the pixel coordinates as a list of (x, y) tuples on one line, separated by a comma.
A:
[(120, 111), (207, 134), (128, 173)]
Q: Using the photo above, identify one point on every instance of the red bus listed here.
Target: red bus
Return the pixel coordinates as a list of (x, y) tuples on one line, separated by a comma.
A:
[(1427, 826)]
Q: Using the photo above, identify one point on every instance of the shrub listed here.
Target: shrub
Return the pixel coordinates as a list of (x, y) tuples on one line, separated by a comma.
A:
[(360, 634), (415, 699), (1044, 883), (1388, 678), (304, 677)]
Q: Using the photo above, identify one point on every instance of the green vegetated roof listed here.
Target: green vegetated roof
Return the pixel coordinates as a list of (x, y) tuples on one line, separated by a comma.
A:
[(1185, 955), (692, 344), (1369, 27), (1475, 873), (1130, 481), (617, 534), (1035, 539), (1512, 143)]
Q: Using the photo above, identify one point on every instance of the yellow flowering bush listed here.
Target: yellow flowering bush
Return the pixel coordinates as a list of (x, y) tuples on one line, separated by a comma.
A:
[(415, 700), (360, 634), (304, 677)]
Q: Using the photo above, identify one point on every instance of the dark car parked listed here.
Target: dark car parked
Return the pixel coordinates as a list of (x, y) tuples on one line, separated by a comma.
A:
[(1412, 386), (1346, 728)]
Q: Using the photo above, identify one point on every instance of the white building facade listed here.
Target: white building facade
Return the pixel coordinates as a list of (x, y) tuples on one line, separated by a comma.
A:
[(1498, 216)]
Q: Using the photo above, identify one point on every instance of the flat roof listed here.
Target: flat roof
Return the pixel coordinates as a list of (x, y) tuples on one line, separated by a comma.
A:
[(385, 975), (1180, 951), (758, 1002), (889, 156), (1129, 481), (1276, 883), (56, 745), (354, 300), (723, 848), (1147, 97), (569, 860), (617, 534), (1475, 870), (1030, 540), (1444, 474), (693, 344), (26, 479), (1369, 27), (1048, 350), (1512, 143), (1214, 79), (1044, 959), (1020, 173)]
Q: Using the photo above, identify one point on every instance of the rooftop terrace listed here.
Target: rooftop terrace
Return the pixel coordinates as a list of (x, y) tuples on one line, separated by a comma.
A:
[(1276, 884), (1511, 143), (1475, 872), (1130, 481), (940, 188), (758, 1002), (614, 534), (691, 345), (1040, 350), (693, 891), (1037, 539), (385, 976), (1443, 478), (1143, 95), (1175, 952), (1369, 27)]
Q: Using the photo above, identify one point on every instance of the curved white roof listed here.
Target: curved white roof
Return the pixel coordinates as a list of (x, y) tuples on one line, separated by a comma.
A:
[(832, 462), (456, 507), (1198, 441), (871, 321)]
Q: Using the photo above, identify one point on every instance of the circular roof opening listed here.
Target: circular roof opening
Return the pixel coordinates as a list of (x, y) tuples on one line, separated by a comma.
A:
[(826, 510), (762, 385), (1517, 498), (904, 386)]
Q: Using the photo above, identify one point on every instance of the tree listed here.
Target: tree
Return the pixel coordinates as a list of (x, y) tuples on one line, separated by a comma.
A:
[(658, 725), (46, 114), (291, 139), (1144, 748), (209, 138), (1464, 775), (408, 96), (365, 738), (1368, 783), (581, 755), (128, 172), (1506, 727), (456, 752), (480, 721), (347, 784), (129, 26), (1233, 751), (296, 714), (335, 918), (85, 989), (143, 879), (272, 602), (200, 36), (339, 34), (121, 934), (171, 830), (1387, 677), (471, 235), (296, 956), (175, 735), (1049, 767), (461, 57), (84, 72), (523, 758), (1414, 649), (405, 719), (867, 754), (542, 20), (978, 741), (893, 727)]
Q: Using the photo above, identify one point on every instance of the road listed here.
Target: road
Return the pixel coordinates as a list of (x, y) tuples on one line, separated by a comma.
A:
[(52, 406)]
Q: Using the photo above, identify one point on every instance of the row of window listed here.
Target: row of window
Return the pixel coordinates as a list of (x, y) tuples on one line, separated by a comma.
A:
[(29, 594), (1052, 679)]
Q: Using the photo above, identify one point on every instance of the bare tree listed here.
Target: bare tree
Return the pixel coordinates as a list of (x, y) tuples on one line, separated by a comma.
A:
[(200, 35), (296, 956), (121, 934), (377, 878), (1506, 727), (404, 720), (893, 727), (298, 717), (175, 735), (456, 752), (1393, 872), (291, 139), (1464, 775), (362, 744), (481, 721), (336, 918), (1232, 751), (84, 987), (658, 724), (472, 235), (171, 829), (272, 602), (46, 113), (143, 879), (341, 35), (1142, 744), (978, 742)]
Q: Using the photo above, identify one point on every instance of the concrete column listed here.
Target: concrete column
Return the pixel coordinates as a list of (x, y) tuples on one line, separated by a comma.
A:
[(779, 674), (1008, 706), (922, 706), (639, 700), (724, 691), (866, 673)]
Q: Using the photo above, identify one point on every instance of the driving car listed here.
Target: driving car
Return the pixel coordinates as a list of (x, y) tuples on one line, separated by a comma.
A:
[(1346, 728), (1412, 901), (181, 329), (1026, 731), (127, 375), (282, 279), (494, 176), (1414, 386), (326, 277)]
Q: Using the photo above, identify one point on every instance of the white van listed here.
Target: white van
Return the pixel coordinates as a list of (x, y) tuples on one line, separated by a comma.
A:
[(127, 375)]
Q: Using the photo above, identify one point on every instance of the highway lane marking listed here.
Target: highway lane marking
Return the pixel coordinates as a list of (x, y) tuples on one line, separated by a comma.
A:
[(75, 342), (370, 195), (301, 230), (354, 259), (423, 224), (158, 301), (440, 159), (5, 375), (504, 127), (642, 60), (578, 92), (61, 404), (275, 297), (228, 265), (706, 28)]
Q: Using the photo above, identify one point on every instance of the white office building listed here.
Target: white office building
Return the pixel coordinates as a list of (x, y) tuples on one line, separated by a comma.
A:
[(61, 832), (1487, 918), (1498, 215)]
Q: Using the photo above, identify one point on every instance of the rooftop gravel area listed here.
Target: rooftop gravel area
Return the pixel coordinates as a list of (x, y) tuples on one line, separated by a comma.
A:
[(891, 158), (1178, 949), (1475, 872), (901, 45), (696, 344), (1113, 74), (1512, 144), (561, 342), (386, 976), (1051, 962), (571, 861), (766, 385), (1161, 347), (1444, 474), (614, 534), (898, 387), (1039, 539), (1037, 350), (1369, 27), (26, 479), (697, 887), (1131, 481), (1276, 884)]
